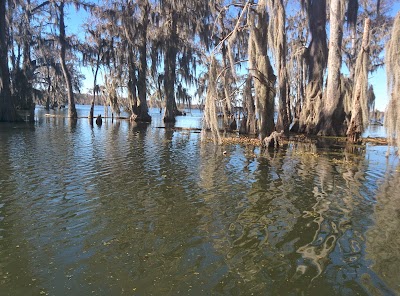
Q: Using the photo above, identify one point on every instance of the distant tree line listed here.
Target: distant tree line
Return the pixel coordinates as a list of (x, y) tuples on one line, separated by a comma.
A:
[(249, 54)]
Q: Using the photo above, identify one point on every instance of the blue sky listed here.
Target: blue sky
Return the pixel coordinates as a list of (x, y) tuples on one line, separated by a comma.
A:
[(377, 79)]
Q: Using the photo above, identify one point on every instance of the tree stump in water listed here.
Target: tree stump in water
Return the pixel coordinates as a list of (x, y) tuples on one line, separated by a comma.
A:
[(99, 120)]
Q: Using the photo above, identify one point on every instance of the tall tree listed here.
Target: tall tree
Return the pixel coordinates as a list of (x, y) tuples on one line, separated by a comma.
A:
[(95, 47), (7, 108), (128, 24), (182, 22), (63, 49), (170, 65)]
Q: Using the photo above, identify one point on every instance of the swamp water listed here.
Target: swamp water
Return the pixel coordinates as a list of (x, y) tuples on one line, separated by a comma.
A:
[(124, 209)]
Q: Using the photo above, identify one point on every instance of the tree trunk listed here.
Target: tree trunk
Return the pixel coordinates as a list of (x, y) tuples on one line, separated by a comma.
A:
[(392, 62), (8, 112), (317, 59), (67, 75), (132, 82), (359, 114), (143, 115), (25, 89), (48, 79), (170, 69), (248, 123), (226, 106), (91, 114), (264, 82), (280, 55), (332, 117)]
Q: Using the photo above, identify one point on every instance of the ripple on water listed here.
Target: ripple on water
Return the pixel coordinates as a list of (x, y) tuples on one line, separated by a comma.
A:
[(154, 211)]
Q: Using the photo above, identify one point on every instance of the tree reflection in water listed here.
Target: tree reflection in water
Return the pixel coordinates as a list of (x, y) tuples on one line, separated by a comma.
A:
[(155, 211), (383, 239), (299, 227)]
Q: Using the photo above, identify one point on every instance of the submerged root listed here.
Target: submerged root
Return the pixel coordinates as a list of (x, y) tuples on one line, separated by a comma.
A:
[(277, 137)]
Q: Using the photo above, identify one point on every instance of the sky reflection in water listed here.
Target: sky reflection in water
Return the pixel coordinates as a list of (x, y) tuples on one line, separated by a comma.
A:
[(129, 209)]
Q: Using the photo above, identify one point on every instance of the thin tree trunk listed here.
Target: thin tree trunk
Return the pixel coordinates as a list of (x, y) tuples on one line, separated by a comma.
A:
[(7, 108), (67, 75), (48, 89), (226, 106), (91, 114), (227, 73), (132, 82), (359, 114), (331, 122), (95, 88), (170, 69)]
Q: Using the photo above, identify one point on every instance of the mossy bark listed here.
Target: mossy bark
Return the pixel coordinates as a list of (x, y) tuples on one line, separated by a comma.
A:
[(316, 57), (264, 79), (359, 113), (332, 117)]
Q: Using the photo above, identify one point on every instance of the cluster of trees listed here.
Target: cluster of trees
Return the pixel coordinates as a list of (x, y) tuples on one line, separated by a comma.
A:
[(248, 53), (313, 57)]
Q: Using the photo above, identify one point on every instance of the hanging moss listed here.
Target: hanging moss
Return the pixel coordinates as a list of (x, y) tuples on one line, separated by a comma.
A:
[(392, 61), (359, 111), (210, 120)]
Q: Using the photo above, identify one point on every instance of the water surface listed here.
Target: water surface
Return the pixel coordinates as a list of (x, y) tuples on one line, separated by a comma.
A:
[(126, 209)]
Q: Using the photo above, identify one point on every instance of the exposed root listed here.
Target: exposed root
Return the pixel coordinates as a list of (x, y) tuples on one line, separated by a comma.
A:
[(273, 136)]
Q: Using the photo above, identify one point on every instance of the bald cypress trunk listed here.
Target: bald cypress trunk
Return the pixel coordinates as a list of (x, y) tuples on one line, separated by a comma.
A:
[(91, 113), (332, 116), (170, 68), (248, 123), (132, 82), (264, 79), (7, 108), (25, 88), (67, 75), (317, 59), (143, 115), (392, 61), (359, 113), (280, 47)]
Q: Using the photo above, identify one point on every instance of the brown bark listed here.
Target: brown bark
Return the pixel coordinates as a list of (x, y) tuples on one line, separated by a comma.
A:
[(143, 115), (67, 75)]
